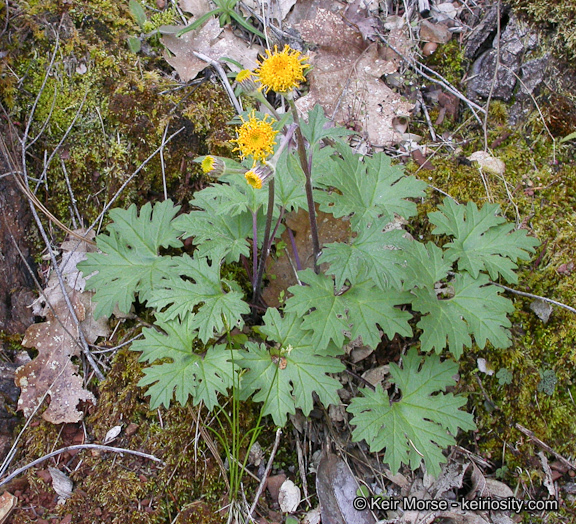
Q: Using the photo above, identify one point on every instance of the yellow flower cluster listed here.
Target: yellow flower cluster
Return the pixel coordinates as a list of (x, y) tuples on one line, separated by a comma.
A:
[(282, 71), (255, 138)]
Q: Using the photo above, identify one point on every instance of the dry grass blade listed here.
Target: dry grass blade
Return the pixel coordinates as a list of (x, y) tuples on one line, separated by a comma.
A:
[(6, 150)]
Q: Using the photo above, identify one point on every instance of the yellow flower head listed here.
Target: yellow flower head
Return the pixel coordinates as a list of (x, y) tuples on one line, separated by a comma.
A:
[(282, 71), (258, 175), (255, 138), (246, 80), (213, 166)]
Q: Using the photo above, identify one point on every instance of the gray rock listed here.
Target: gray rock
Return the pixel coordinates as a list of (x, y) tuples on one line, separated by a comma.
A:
[(515, 41)]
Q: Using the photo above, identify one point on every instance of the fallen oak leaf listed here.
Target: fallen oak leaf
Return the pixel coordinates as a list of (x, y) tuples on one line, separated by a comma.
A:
[(345, 78), (52, 371), (210, 40), (57, 341)]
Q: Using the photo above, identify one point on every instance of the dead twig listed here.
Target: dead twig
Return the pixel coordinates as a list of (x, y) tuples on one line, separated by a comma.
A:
[(98, 447), (265, 476), (530, 295), (440, 80), (544, 446)]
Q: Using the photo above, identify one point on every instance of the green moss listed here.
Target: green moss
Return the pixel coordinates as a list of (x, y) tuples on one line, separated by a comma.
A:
[(559, 16), (448, 61), (126, 111)]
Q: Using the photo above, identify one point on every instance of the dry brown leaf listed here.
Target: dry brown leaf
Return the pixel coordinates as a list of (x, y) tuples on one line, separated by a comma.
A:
[(7, 503), (275, 9), (210, 40), (345, 78), (336, 488), (62, 484), (52, 371), (57, 341), (289, 497), (197, 8), (330, 229)]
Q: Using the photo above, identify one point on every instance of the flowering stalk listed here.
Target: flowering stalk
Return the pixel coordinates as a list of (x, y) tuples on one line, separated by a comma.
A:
[(254, 246), (308, 185), (267, 241)]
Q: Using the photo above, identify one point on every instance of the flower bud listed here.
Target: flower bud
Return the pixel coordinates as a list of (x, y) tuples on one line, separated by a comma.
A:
[(257, 176)]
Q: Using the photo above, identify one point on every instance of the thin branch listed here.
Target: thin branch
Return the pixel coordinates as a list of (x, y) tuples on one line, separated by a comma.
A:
[(71, 192), (265, 476), (544, 446), (216, 65), (74, 448), (419, 68), (266, 243), (308, 186), (530, 295), (162, 164), (72, 311)]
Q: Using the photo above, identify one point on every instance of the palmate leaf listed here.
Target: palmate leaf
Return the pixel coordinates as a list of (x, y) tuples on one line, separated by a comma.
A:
[(287, 331), (474, 309), (226, 197), (418, 426), (370, 307), (360, 310), (368, 188), (328, 319), (219, 236), (218, 309), (129, 263), (285, 380), (483, 240), (319, 127), (459, 309), (187, 374), (374, 253), (289, 182)]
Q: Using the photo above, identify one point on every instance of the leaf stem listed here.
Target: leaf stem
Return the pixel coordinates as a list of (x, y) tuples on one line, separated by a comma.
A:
[(309, 196), (254, 249), (265, 243), (294, 250)]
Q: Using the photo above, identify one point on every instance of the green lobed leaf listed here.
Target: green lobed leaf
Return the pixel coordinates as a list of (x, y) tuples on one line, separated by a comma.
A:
[(187, 374), (227, 198), (319, 127), (218, 235), (286, 379), (359, 311), (289, 183), (417, 427), (368, 188), (217, 309), (483, 240), (287, 331), (373, 253), (474, 309), (424, 265), (129, 263), (369, 307), (325, 312)]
